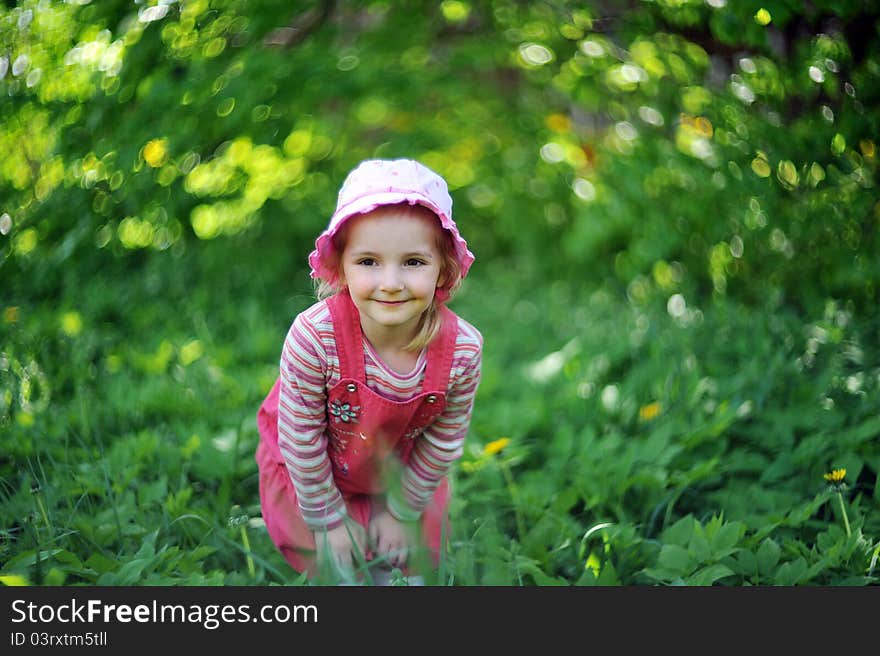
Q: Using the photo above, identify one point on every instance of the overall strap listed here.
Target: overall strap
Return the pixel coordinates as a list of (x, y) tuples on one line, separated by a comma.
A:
[(347, 333), (440, 353)]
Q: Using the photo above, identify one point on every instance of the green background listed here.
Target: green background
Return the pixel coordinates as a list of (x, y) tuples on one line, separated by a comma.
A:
[(674, 210)]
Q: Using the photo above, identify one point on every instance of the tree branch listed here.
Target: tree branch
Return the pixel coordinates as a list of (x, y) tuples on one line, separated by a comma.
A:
[(303, 26)]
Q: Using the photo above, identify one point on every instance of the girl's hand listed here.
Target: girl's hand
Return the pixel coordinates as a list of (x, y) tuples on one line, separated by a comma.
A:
[(344, 544), (390, 537)]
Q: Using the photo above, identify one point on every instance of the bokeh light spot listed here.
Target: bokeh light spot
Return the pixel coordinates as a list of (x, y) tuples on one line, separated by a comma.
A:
[(26, 241), (761, 167), (534, 54), (225, 107), (455, 11), (156, 152), (71, 323), (584, 189)]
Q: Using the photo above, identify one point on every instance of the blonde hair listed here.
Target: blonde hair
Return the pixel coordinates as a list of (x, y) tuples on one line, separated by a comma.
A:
[(447, 284)]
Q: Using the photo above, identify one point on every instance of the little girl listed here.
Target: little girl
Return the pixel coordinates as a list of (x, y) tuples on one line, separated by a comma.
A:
[(377, 381)]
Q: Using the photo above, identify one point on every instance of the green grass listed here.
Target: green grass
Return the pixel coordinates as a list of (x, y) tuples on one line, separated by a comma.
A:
[(644, 448)]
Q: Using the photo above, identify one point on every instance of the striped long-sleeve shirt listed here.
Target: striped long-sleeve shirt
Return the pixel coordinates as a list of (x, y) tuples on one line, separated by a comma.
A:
[(310, 368)]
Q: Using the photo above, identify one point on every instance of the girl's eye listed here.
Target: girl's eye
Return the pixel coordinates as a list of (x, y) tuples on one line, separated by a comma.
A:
[(367, 261), (413, 262)]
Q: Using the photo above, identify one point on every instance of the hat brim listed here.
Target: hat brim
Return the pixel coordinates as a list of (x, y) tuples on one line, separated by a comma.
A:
[(364, 204)]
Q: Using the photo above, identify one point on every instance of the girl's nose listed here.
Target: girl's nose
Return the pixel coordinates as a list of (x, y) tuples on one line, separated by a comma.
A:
[(391, 280)]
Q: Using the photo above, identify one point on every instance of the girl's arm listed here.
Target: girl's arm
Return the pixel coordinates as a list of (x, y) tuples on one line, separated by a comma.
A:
[(302, 425), (441, 444)]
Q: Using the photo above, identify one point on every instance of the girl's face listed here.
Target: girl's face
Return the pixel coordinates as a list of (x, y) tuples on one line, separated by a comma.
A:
[(391, 264)]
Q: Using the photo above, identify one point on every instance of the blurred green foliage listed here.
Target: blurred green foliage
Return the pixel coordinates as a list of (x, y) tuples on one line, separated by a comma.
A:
[(674, 210)]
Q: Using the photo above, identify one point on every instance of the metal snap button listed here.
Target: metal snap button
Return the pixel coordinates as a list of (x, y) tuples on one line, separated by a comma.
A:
[(351, 387), (431, 398)]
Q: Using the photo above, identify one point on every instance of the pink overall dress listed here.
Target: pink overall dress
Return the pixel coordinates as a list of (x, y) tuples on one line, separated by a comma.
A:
[(365, 430)]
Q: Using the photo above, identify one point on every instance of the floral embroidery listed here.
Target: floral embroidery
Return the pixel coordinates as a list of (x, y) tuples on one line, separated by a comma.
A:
[(338, 443), (339, 439), (412, 433), (344, 411)]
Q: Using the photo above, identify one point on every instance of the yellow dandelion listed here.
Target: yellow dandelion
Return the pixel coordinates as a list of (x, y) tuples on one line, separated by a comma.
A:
[(650, 411), (835, 476), (495, 446)]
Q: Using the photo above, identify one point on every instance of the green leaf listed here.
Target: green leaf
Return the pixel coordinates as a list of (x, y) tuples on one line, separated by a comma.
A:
[(699, 545), (857, 580), (608, 575), (803, 512), (782, 467), (68, 558), (149, 493), (128, 574), (539, 576), (791, 573), (726, 537), (587, 578), (200, 553), (767, 557), (14, 580), (675, 559), (832, 541), (746, 563), (661, 575), (680, 532), (55, 576), (30, 558), (867, 430), (101, 563), (708, 575)]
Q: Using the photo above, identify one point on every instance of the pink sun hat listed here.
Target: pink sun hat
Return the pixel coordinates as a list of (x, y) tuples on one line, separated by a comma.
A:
[(377, 182)]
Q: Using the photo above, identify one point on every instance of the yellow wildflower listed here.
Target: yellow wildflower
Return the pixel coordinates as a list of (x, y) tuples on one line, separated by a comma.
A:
[(648, 412), (836, 476), (496, 446)]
